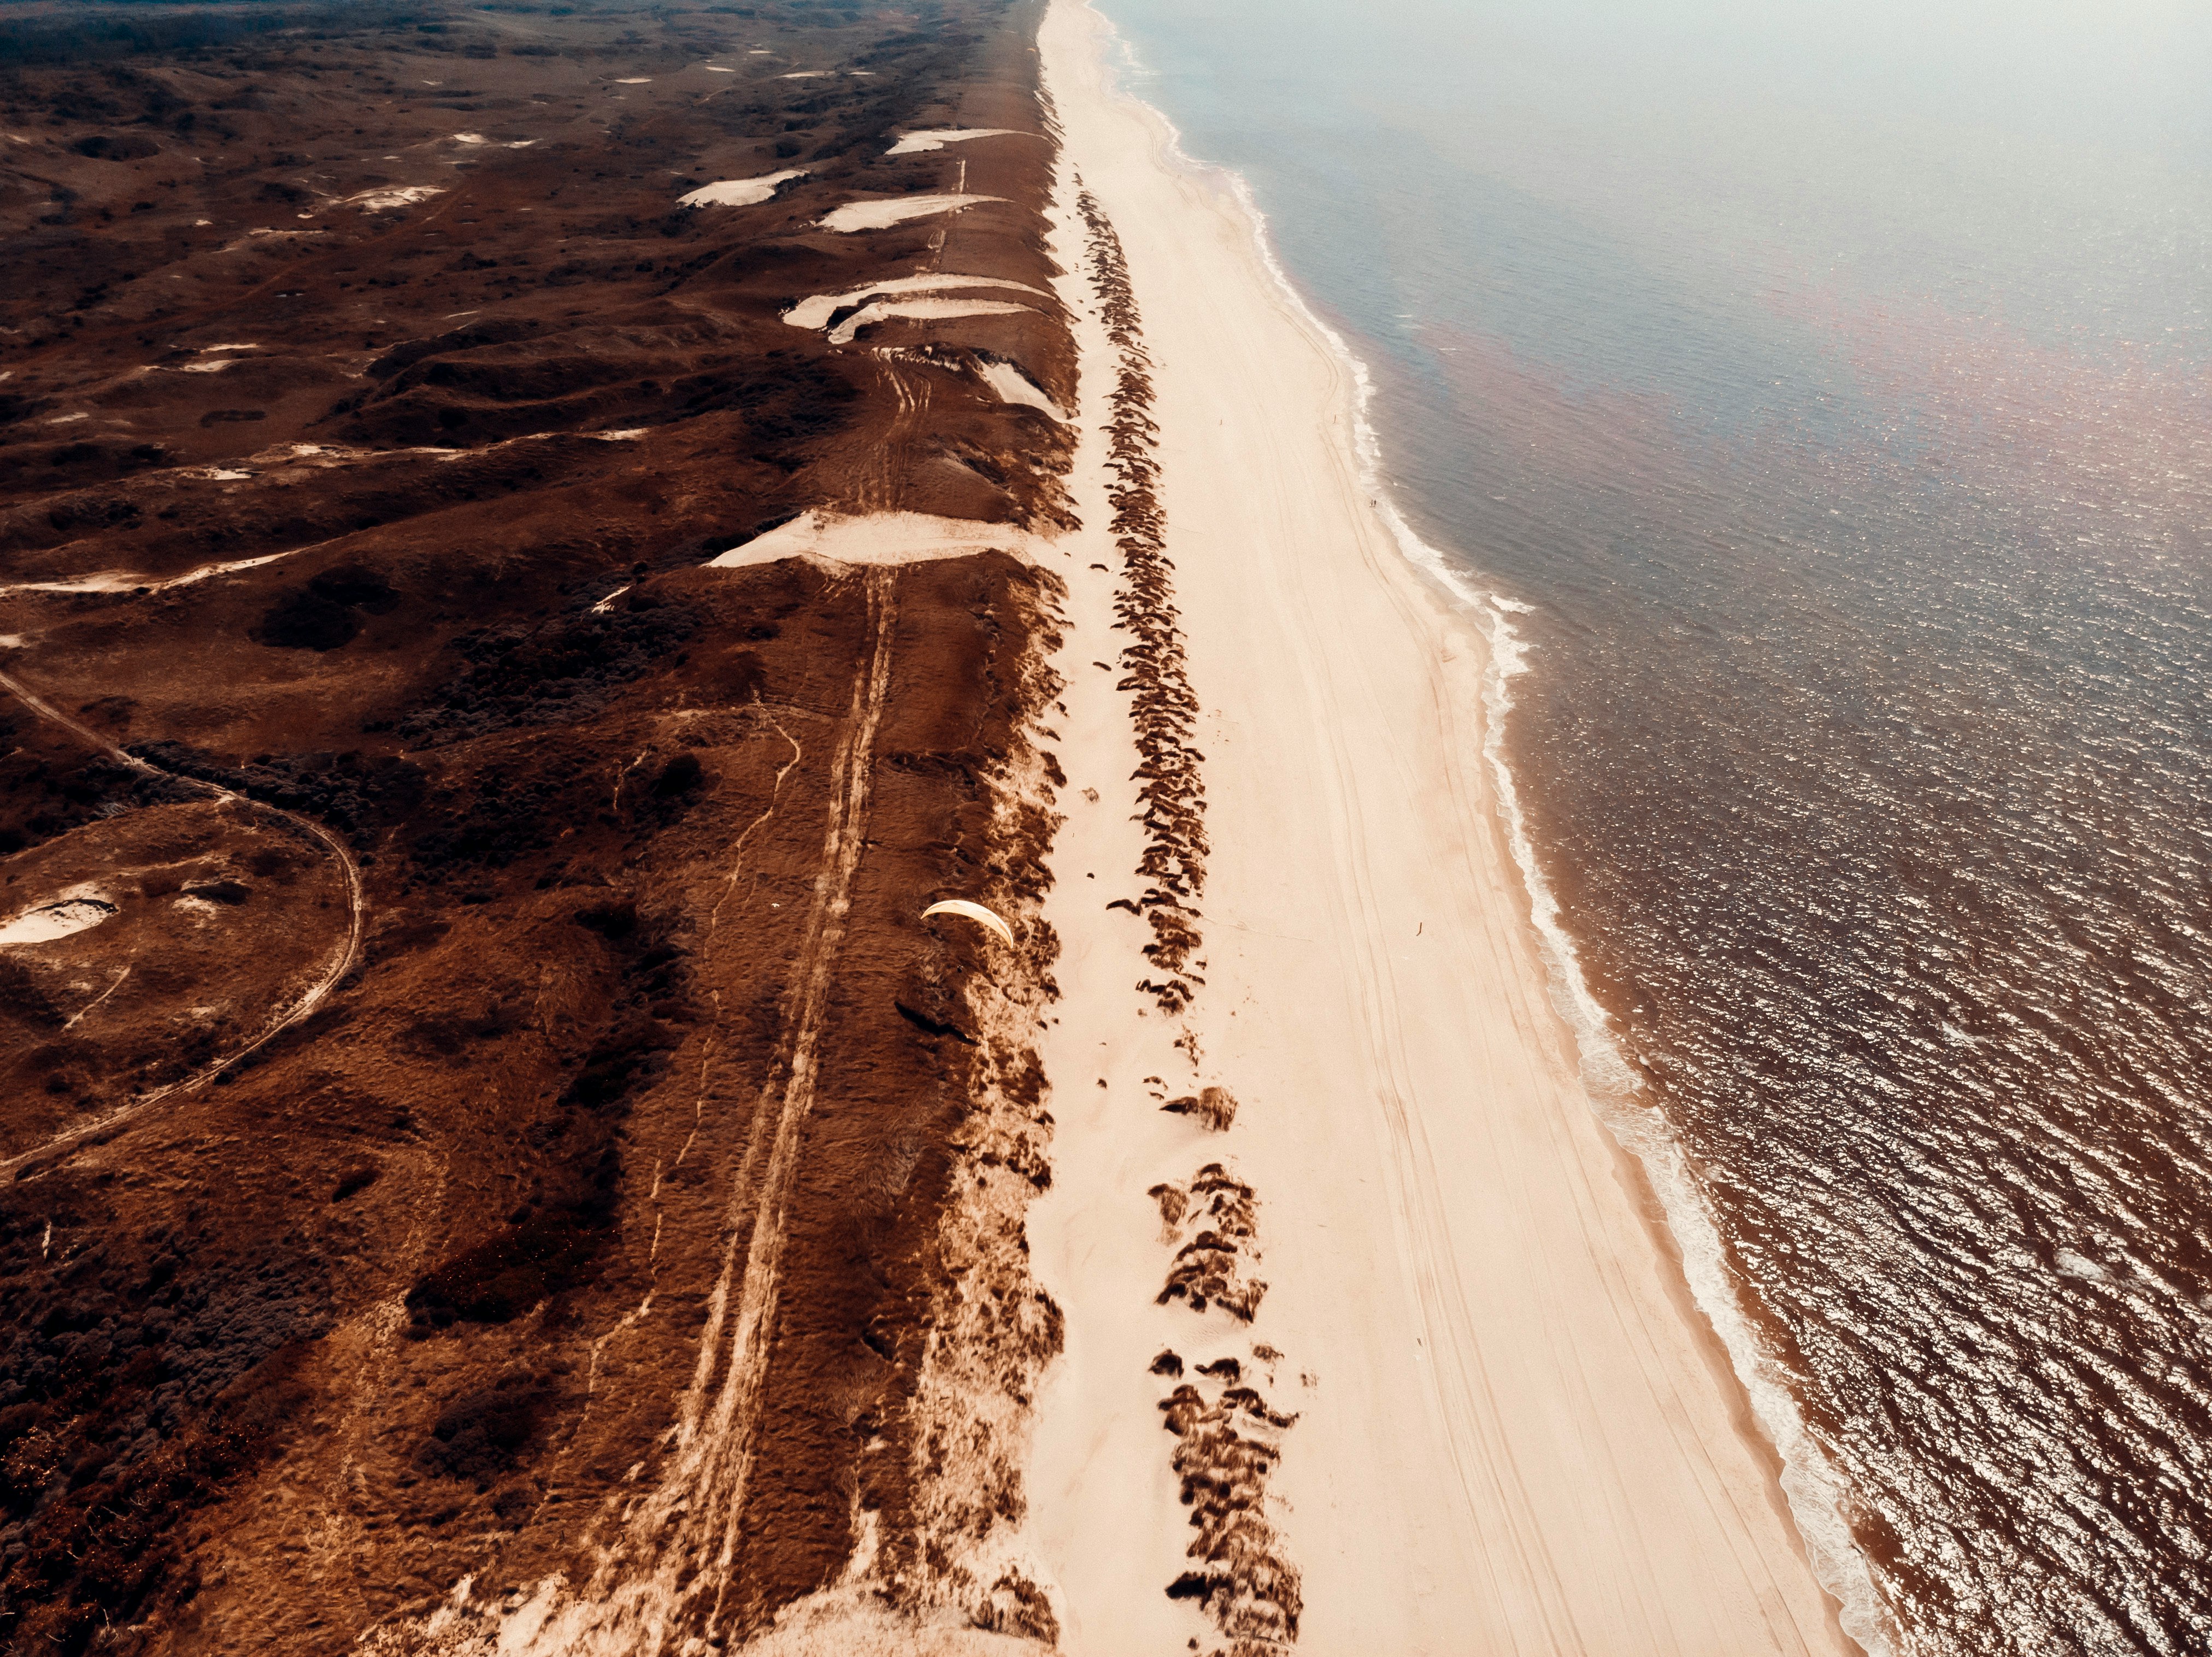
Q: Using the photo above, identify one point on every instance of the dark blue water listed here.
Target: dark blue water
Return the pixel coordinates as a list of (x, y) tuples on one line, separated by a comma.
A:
[(1834, 385)]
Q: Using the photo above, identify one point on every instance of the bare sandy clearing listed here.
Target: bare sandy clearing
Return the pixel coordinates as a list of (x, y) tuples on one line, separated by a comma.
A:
[(880, 537), (55, 920), (918, 310), (911, 143), (381, 201), (1013, 386), (882, 214), (814, 311), (739, 193)]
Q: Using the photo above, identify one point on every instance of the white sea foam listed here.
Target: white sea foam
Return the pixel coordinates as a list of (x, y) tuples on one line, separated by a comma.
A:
[(1811, 1483)]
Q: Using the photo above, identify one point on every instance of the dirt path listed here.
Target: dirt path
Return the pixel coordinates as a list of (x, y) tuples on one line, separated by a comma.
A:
[(334, 971), (662, 1582)]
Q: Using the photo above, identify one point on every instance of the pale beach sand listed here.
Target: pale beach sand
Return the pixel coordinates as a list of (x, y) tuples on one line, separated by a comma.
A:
[(1515, 1433)]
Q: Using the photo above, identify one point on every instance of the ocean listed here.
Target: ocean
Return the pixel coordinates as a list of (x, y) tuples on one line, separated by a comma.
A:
[(1815, 404)]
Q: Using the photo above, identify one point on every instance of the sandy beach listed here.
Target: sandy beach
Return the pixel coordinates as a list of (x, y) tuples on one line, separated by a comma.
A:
[(1513, 1432)]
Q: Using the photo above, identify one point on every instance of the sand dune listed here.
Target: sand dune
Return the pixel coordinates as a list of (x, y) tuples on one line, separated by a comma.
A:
[(739, 193), (918, 310), (879, 537), (380, 201), (914, 143), (1512, 1433), (895, 210), (1013, 385), (816, 311), (44, 922)]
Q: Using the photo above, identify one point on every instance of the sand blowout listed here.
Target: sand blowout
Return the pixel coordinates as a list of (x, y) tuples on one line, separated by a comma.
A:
[(894, 210), (739, 193), (838, 539), (912, 143), (820, 310), (56, 920)]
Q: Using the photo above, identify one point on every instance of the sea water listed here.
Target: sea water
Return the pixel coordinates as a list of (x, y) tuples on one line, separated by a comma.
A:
[(1816, 402)]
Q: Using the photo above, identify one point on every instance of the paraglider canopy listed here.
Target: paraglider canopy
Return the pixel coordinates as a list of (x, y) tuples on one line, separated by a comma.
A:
[(974, 912)]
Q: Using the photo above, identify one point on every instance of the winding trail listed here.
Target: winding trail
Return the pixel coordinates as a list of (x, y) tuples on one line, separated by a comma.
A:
[(334, 971)]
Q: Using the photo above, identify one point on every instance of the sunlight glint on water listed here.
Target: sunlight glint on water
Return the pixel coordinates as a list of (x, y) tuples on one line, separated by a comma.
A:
[(1836, 399)]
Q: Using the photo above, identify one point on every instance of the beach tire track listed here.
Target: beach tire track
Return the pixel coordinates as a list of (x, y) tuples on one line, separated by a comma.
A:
[(852, 775), (335, 968)]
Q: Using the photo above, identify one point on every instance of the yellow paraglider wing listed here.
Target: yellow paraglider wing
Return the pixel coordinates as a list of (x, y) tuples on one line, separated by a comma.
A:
[(974, 912)]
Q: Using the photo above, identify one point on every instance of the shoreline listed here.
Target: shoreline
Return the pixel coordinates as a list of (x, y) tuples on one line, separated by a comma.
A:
[(1609, 1498)]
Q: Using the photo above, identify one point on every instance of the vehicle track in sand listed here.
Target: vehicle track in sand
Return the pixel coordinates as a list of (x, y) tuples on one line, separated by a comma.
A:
[(663, 1583), (1524, 1557), (340, 963)]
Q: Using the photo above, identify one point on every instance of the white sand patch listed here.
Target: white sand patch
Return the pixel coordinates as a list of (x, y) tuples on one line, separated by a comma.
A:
[(816, 311), (912, 143), (918, 310), (1013, 386), (740, 192), (68, 420), (124, 581), (383, 201), (626, 434), (519, 143), (204, 349), (636, 79), (216, 367), (880, 537), (11, 640), (895, 210), (602, 606), (58, 919), (224, 475), (471, 138), (716, 68), (2071, 1264), (805, 75)]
